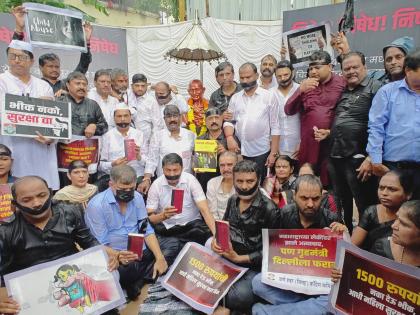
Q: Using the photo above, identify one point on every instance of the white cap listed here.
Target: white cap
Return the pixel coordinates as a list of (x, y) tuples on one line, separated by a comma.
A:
[(19, 44), (123, 106)]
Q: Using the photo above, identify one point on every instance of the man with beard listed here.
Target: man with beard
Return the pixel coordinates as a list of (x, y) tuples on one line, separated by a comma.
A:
[(165, 97), (174, 227), (113, 143), (225, 77), (248, 211), (42, 231), (172, 139), (267, 67), (256, 115), (315, 100), (119, 84), (115, 213), (19, 81), (305, 213), (101, 94), (214, 122), (49, 64), (349, 168), (87, 118), (289, 125)]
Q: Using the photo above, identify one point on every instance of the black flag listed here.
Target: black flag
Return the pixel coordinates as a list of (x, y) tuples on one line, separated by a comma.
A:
[(347, 21)]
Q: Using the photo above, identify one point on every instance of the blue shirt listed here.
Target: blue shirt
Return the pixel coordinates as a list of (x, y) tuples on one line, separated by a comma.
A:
[(110, 227), (394, 124)]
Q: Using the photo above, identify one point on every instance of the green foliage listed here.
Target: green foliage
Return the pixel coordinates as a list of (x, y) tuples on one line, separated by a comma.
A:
[(170, 7)]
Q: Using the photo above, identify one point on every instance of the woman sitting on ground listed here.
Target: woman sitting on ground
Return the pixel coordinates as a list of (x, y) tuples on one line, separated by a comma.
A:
[(395, 188), (6, 163), (80, 191)]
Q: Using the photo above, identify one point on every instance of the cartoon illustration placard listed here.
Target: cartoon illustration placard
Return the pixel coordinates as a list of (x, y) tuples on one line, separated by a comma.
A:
[(77, 284)]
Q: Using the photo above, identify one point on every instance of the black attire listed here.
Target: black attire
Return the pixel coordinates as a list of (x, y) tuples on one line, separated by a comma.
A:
[(289, 218), (369, 222), (83, 65), (84, 113), (203, 178), (23, 245), (220, 100), (348, 140), (246, 239)]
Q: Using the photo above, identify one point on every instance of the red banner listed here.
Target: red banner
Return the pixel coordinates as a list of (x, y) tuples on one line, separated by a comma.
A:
[(299, 259), (86, 150), (374, 285), (200, 277)]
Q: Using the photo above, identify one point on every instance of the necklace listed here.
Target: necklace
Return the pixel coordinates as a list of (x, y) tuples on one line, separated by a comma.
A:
[(402, 255)]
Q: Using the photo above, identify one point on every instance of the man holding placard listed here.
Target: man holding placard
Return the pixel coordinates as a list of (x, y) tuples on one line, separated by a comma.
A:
[(305, 213)]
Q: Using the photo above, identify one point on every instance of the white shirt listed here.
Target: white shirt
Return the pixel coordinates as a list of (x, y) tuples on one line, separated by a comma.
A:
[(177, 100), (30, 156), (107, 106), (257, 118), (113, 148), (160, 195), (216, 198), (165, 144), (289, 125)]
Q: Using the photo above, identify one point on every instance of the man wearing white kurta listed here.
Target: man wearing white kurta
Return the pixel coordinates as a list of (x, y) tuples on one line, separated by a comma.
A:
[(101, 94), (289, 125), (34, 156), (174, 139)]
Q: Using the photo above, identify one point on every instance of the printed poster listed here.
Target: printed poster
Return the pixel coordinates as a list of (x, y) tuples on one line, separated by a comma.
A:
[(200, 277), (24, 116), (73, 285), (206, 155), (299, 260), (374, 285), (6, 212), (51, 27), (79, 148), (301, 43)]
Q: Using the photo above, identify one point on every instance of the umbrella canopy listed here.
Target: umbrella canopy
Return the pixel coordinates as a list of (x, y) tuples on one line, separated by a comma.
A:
[(196, 45)]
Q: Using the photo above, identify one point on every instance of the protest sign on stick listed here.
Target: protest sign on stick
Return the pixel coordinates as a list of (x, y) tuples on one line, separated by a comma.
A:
[(76, 284), (53, 27), (301, 43), (299, 260), (26, 116), (374, 285), (200, 277)]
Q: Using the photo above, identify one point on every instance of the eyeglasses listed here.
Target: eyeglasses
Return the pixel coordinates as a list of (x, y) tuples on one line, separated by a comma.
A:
[(12, 56)]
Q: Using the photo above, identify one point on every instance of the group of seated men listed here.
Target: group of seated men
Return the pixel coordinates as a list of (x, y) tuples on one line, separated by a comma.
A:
[(353, 129)]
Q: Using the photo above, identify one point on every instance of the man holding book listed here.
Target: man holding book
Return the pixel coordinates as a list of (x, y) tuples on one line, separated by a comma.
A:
[(115, 213)]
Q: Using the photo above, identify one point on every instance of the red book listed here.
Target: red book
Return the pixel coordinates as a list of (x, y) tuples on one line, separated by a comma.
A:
[(222, 234), (135, 244), (177, 199), (130, 149)]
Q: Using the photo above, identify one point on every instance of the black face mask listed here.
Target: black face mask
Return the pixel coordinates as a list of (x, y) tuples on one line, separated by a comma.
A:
[(163, 97), (36, 211), (123, 125), (124, 195), (285, 83), (249, 85), (248, 192), (173, 177)]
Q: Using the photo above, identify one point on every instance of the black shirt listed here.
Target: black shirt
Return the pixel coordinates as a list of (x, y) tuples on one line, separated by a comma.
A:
[(290, 219), (349, 133), (220, 100), (85, 113), (23, 245), (245, 227)]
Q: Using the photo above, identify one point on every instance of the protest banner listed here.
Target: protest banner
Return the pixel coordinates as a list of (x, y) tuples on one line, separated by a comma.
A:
[(299, 260), (301, 43), (25, 116), (53, 27), (374, 285), (5, 203), (79, 148), (200, 277), (76, 284), (206, 155)]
